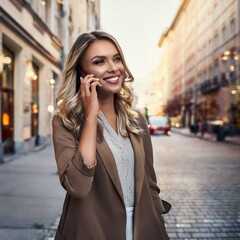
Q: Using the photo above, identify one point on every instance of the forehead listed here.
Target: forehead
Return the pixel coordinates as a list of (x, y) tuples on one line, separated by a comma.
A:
[(101, 48)]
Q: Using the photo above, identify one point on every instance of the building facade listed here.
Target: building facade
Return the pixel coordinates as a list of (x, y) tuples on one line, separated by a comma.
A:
[(35, 37), (202, 64)]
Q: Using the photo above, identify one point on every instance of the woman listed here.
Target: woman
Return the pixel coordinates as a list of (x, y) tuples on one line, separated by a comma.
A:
[(103, 149)]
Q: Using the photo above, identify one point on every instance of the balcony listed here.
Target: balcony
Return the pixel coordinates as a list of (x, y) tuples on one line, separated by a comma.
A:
[(209, 86), (224, 81)]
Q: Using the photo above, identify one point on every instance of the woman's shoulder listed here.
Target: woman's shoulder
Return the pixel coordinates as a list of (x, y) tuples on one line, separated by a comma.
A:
[(57, 119), (141, 118), (59, 125)]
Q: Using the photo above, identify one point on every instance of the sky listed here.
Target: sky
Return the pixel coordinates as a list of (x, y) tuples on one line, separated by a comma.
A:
[(138, 26)]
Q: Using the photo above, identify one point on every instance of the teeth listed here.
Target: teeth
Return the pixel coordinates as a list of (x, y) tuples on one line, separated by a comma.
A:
[(112, 79)]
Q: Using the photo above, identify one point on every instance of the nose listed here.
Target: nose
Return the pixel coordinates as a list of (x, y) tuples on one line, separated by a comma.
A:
[(112, 67)]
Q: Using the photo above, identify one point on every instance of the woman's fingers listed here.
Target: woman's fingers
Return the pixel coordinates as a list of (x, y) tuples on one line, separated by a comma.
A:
[(88, 94), (94, 85), (86, 84)]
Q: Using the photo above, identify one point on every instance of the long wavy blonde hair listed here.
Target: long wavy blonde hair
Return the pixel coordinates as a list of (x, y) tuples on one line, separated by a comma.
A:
[(70, 108)]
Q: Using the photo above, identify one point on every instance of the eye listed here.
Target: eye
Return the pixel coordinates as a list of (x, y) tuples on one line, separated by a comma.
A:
[(118, 59), (98, 61)]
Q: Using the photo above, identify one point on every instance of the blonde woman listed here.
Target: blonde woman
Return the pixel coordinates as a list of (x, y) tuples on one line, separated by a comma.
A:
[(103, 149)]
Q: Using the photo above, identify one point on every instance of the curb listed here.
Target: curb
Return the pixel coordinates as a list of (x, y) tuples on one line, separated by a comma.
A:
[(52, 230), (210, 139)]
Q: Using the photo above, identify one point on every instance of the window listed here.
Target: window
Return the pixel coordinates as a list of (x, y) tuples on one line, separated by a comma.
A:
[(210, 72), (233, 26), (224, 66), (204, 50), (216, 40), (224, 34), (58, 20), (8, 67), (29, 1), (216, 69), (210, 46), (206, 75), (215, 10)]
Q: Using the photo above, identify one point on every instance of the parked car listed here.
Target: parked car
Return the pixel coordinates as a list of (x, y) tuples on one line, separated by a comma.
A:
[(223, 130), (159, 124)]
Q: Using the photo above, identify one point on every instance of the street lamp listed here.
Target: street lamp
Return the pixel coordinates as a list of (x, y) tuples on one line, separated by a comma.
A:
[(51, 106), (52, 82), (1, 73)]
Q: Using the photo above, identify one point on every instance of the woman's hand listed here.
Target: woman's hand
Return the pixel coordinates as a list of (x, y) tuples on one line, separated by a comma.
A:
[(87, 142), (89, 95)]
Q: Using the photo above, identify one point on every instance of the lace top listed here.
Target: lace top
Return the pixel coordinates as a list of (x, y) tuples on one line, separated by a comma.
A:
[(122, 151)]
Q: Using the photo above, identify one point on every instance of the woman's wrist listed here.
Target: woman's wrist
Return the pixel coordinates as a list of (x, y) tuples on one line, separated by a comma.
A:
[(91, 118)]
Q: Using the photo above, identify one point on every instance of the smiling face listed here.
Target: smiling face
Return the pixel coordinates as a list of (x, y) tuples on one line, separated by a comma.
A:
[(104, 61)]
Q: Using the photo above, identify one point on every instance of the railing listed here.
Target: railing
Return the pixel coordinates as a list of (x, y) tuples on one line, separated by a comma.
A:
[(210, 85)]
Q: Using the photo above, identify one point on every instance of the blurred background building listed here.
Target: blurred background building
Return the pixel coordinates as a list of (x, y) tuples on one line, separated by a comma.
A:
[(35, 36), (199, 65)]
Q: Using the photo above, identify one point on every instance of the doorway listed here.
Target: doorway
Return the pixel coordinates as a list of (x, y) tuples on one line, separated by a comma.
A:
[(7, 101), (35, 104)]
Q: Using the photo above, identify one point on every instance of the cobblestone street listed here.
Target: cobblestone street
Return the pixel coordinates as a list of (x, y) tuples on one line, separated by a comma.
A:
[(201, 179)]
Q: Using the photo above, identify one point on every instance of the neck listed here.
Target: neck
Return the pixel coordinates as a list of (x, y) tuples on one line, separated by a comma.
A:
[(106, 105)]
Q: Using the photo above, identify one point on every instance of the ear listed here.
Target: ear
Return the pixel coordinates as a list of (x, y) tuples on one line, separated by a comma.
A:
[(82, 72), (78, 75)]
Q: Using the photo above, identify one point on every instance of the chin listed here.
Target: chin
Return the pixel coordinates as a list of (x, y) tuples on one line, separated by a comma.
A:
[(110, 90)]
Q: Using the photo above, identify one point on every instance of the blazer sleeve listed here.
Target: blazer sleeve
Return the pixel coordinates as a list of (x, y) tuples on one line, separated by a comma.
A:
[(149, 169), (74, 175)]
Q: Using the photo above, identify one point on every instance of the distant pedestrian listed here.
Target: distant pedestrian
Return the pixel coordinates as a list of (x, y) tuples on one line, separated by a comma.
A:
[(204, 127), (103, 149)]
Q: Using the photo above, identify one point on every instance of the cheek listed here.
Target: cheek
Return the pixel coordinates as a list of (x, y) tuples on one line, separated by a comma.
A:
[(122, 68), (98, 72)]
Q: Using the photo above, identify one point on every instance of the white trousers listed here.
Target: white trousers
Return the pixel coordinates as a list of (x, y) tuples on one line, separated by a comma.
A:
[(129, 224)]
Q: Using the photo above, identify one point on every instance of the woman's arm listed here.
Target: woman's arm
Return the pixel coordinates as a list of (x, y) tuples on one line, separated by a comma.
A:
[(75, 175)]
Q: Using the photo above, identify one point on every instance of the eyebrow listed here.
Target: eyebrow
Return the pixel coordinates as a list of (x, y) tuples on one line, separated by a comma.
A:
[(118, 54)]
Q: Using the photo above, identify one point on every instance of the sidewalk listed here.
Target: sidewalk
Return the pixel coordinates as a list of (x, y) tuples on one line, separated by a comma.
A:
[(209, 137), (31, 196)]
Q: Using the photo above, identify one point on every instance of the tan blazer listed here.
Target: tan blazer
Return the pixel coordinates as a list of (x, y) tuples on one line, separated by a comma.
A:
[(94, 207)]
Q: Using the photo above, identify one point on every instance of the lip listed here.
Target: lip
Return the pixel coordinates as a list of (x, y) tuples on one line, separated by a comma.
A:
[(110, 77), (114, 79)]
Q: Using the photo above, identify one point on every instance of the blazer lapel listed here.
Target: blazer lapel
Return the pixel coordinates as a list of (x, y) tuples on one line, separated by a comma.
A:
[(139, 164), (107, 158)]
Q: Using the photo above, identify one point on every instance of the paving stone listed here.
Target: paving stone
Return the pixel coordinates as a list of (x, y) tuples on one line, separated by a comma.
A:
[(202, 225), (184, 235), (174, 230), (222, 234), (172, 235), (234, 234), (216, 229), (191, 230), (204, 229), (204, 235)]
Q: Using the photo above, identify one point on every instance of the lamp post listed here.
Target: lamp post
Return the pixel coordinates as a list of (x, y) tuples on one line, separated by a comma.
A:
[(1, 72), (234, 81), (52, 85)]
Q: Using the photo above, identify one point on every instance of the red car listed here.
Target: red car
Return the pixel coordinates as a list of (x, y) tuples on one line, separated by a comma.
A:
[(159, 125)]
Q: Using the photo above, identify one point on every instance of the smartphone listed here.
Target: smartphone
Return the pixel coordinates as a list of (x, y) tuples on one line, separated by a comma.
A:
[(78, 75), (78, 81)]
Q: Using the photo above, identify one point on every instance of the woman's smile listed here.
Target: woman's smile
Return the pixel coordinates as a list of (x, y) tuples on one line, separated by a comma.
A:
[(112, 80)]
